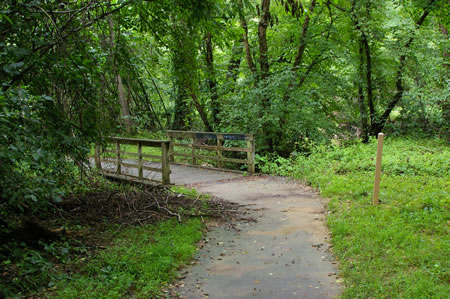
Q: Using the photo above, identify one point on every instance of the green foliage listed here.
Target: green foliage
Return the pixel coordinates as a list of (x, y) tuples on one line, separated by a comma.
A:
[(401, 247), (37, 151), (33, 269), (140, 262)]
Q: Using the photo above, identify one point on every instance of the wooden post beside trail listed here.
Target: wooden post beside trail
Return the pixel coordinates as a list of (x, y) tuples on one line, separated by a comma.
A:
[(119, 168), (98, 161), (140, 162), (376, 185), (219, 150), (251, 155), (165, 163), (194, 142), (171, 156)]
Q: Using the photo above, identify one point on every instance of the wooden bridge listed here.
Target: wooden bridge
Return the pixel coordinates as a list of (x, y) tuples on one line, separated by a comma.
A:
[(185, 158)]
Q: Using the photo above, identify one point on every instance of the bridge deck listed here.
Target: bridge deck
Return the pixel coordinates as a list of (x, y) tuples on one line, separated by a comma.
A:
[(180, 174)]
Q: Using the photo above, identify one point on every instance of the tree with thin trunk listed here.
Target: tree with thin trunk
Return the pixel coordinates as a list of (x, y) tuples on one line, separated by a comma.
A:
[(120, 88)]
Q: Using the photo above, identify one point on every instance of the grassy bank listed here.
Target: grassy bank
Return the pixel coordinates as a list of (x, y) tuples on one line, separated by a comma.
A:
[(116, 241), (139, 263), (400, 248)]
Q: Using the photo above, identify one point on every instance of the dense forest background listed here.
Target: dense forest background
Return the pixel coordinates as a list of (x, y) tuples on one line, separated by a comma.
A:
[(295, 73), (313, 80)]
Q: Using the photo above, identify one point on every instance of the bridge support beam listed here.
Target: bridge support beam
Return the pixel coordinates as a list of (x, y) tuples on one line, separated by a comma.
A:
[(165, 163)]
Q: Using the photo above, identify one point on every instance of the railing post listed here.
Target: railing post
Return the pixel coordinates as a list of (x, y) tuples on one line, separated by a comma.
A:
[(140, 170), (251, 155), (194, 141), (165, 163), (171, 156), (98, 161), (118, 170), (219, 150)]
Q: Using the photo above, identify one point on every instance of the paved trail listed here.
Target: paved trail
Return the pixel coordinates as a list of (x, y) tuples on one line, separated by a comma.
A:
[(282, 255)]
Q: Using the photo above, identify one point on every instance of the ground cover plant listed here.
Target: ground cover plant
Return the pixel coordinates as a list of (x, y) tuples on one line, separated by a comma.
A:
[(111, 242), (139, 262), (401, 247)]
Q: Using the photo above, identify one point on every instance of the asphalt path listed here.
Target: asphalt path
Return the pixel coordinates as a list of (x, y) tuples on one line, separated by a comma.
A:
[(285, 254)]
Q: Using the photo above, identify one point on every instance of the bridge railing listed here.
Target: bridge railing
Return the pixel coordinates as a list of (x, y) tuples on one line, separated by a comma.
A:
[(197, 142), (117, 160)]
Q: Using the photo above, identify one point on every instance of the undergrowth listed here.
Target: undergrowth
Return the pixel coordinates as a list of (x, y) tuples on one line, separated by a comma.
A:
[(93, 252), (401, 247), (139, 263)]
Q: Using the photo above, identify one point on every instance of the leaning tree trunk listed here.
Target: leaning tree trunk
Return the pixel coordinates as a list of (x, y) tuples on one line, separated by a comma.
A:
[(120, 90), (377, 125), (211, 78)]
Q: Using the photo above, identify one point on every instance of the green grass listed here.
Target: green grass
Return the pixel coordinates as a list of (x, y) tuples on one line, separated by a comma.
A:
[(138, 264), (400, 248)]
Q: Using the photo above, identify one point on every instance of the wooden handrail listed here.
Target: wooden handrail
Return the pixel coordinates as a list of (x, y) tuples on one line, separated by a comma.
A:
[(218, 148), (163, 144)]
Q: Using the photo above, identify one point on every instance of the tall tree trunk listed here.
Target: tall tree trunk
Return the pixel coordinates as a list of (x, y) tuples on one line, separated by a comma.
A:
[(211, 77), (181, 119), (201, 112), (264, 20), (184, 65), (302, 43), (368, 57), (361, 104), (248, 53), (262, 38), (235, 60), (120, 91)]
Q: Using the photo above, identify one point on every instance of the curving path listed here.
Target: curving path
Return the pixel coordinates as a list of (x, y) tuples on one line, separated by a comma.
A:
[(283, 255)]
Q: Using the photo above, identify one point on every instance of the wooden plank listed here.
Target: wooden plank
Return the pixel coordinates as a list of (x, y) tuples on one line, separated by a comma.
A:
[(205, 135), (209, 135), (232, 160), (214, 147), (222, 148), (129, 178), (134, 141), (133, 165), (235, 149), (214, 158)]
